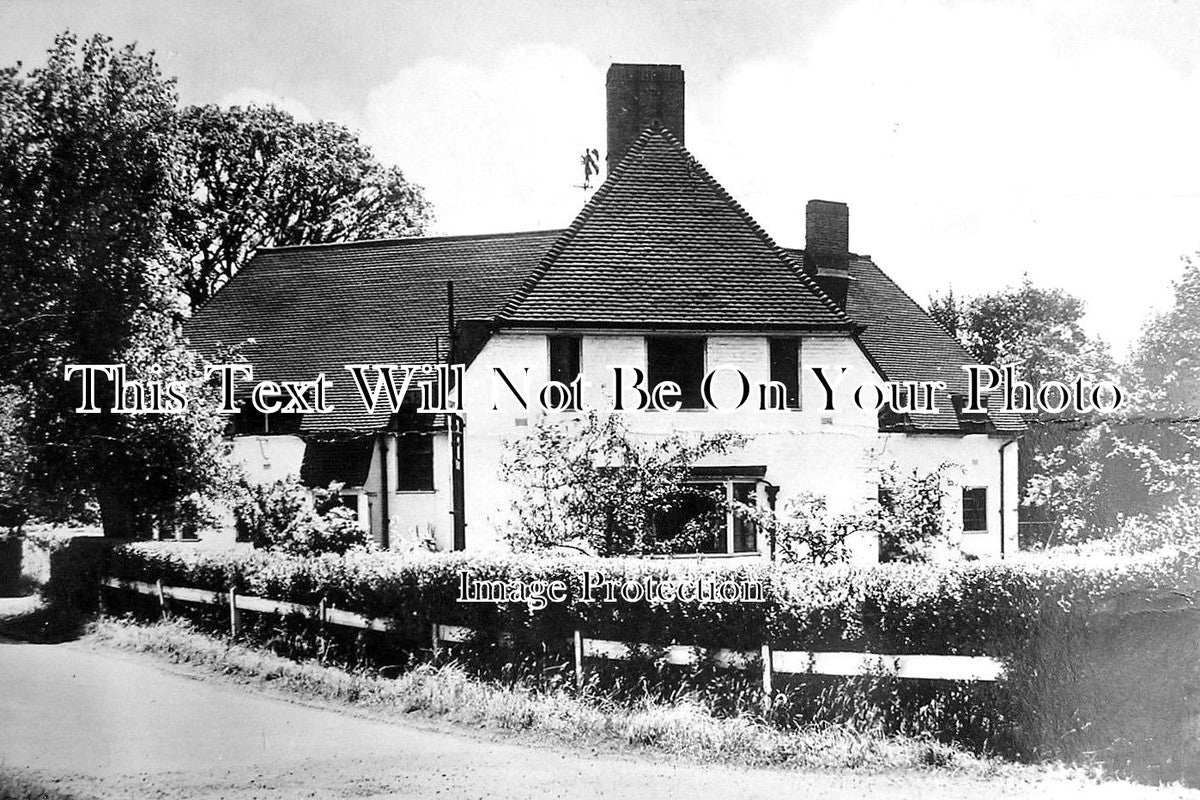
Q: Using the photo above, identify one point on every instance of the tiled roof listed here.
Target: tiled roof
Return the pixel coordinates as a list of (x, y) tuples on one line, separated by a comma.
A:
[(315, 309), (661, 244), (906, 344)]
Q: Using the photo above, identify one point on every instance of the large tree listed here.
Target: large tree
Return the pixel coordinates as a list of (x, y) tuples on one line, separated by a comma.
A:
[(87, 184), (1041, 331), (257, 177)]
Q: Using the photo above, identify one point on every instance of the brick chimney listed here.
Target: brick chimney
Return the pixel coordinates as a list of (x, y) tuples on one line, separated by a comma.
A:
[(639, 95), (827, 247)]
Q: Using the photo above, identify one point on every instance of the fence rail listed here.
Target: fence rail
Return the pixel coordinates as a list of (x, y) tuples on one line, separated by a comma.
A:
[(768, 660)]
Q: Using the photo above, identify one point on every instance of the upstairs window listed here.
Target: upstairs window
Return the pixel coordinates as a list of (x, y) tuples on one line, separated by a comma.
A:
[(414, 463), (974, 509), (785, 369), (564, 359), (679, 359), (249, 421)]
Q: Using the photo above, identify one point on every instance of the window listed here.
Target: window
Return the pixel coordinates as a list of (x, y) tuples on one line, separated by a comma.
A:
[(702, 516), (695, 518), (414, 463), (564, 359), (745, 532), (785, 368), (250, 421), (974, 509), (679, 359)]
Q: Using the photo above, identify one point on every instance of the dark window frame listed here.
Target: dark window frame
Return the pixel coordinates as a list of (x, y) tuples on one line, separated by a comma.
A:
[(411, 476), (690, 396), (975, 511), (785, 367), (568, 372)]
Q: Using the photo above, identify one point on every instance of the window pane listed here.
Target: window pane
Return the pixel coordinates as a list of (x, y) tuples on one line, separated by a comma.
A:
[(785, 368), (414, 463), (975, 509), (745, 532), (564, 359), (693, 520), (679, 359)]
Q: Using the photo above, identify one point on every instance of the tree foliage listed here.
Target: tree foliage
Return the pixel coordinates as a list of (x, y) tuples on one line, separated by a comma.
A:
[(87, 147), (587, 482), (1040, 329), (257, 177), (1142, 460)]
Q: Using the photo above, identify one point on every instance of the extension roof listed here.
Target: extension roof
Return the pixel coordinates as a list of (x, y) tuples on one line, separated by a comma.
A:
[(660, 246), (314, 309)]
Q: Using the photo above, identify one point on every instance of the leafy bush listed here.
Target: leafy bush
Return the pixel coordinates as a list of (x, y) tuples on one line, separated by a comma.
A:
[(1087, 670), (284, 516), (804, 531), (911, 523), (588, 484)]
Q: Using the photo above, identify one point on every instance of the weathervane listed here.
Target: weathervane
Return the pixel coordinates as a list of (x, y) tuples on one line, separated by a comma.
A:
[(591, 166)]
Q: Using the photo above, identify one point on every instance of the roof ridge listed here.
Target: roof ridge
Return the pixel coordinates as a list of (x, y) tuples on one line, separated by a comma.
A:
[(408, 239), (613, 180)]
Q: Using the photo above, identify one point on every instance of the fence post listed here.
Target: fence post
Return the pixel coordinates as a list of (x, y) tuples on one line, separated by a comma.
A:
[(437, 644), (767, 668), (578, 661), (235, 616), (162, 599), (100, 605)]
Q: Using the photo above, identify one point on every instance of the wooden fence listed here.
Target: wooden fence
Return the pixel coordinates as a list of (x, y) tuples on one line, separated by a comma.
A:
[(770, 661)]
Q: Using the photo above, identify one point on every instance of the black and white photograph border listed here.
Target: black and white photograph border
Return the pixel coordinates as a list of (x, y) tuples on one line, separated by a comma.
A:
[(643, 399)]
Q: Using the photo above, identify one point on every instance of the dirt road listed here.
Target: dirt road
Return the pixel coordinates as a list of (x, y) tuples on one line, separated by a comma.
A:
[(118, 726)]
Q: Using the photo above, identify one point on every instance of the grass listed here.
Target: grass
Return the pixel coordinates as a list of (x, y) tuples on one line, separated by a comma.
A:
[(683, 727)]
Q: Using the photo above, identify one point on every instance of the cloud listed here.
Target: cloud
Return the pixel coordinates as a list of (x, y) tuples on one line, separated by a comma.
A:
[(496, 145), (972, 148)]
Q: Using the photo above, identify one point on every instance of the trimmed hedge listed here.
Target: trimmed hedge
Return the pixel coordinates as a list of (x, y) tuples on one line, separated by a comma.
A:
[(1101, 653)]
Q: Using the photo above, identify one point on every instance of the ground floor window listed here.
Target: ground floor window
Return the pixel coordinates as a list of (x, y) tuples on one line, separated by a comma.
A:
[(703, 516), (974, 509), (414, 462)]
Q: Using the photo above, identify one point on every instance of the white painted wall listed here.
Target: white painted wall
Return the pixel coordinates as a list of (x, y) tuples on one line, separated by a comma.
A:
[(837, 454)]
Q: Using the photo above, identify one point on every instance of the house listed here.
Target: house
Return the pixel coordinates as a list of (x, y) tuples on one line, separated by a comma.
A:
[(661, 270)]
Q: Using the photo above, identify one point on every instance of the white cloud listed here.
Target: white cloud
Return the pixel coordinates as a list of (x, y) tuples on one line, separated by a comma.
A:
[(972, 145), (496, 146), (971, 149)]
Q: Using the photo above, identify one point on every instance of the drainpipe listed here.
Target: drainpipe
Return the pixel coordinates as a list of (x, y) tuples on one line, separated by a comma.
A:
[(383, 492), (1002, 495)]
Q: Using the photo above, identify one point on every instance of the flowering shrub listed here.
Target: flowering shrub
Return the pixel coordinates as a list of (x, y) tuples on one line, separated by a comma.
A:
[(588, 484), (283, 516)]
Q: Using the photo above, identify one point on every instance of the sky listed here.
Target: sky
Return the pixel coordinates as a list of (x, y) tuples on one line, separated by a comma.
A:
[(975, 142)]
